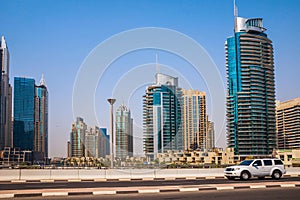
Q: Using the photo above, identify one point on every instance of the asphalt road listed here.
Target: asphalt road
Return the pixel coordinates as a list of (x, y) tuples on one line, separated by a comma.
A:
[(257, 194), (107, 184)]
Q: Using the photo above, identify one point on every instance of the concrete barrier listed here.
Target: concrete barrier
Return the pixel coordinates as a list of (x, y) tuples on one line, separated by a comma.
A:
[(64, 174), (30, 174), (78, 174), (7, 175), (92, 174)]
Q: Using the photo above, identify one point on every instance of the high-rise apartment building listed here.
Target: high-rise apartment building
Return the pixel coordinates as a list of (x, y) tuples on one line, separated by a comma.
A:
[(91, 142), (78, 138), (41, 118), (288, 124), (210, 135), (250, 89), (86, 141), (5, 98), (162, 116), (124, 133), (194, 120), (30, 115)]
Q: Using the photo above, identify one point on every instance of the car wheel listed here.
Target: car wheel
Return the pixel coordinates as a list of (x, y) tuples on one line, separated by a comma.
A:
[(261, 177), (276, 174), (245, 175)]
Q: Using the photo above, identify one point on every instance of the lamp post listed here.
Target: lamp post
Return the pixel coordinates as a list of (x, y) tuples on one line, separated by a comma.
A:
[(111, 102)]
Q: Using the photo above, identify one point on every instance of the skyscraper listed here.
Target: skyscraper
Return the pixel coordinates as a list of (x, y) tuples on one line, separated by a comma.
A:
[(210, 135), (250, 89), (5, 98), (288, 124), (104, 142), (194, 120), (78, 138), (91, 142), (31, 115), (24, 100), (123, 133), (41, 118), (162, 116)]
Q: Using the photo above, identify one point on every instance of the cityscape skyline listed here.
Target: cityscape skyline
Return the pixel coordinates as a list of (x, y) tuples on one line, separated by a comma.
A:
[(60, 125)]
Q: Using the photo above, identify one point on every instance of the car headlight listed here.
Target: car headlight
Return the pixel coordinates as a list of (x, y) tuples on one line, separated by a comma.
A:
[(236, 169)]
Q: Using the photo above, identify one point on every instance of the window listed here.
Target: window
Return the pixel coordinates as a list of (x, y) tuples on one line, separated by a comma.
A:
[(258, 163), (246, 162), (267, 162), (278, 162)]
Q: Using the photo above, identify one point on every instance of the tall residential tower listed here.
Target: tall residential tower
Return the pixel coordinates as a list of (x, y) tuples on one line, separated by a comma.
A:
[(194, 120), (288, 124), (162, 116), (250, 89), (123, 133), (5, 98)]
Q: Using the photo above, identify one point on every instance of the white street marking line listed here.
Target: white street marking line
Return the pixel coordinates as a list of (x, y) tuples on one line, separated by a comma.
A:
[(149, 191), (49, 194), (74, 180), (104, 192), (4, 196), (18, 181), (100, 179), (288, 185), (257, 186), (225, 188), (188, 189), (47, 180), (124, 179), (210, 177)]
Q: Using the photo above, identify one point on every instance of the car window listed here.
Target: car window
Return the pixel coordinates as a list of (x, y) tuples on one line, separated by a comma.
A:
[(246, 162), (278, 162), (258, 163), (267, 162)]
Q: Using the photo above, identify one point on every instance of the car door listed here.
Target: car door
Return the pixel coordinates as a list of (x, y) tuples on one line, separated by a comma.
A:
[(256, 168), (268, 164)]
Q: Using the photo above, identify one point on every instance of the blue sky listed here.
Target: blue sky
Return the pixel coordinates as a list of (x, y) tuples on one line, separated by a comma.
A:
[(54, 37)]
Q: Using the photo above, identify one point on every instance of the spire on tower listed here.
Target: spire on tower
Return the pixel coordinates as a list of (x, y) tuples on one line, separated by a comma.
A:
[(235, 15), (3, 43), (42, 81), (156, 63)]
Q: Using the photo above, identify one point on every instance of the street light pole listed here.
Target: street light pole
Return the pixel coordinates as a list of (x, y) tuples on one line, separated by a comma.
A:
[(111, 102)]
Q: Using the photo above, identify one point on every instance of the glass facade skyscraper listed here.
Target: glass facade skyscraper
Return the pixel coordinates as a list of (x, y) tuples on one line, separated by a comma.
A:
[(30, 115), (5, 98), (24, 97), (78, 138), (123, 133), (250, 89), (162, 116)]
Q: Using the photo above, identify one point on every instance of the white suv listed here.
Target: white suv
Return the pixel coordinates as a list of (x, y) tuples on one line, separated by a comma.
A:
[(256, 168)]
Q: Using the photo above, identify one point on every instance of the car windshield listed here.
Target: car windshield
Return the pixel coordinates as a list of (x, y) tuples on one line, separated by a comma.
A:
[(246, 162)]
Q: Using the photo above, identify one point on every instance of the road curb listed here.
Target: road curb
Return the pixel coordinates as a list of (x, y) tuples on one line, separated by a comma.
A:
[(143, 190), (124, 179)]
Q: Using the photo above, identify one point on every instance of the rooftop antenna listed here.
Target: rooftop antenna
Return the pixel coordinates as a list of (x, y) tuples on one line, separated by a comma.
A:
[(42, 81), (156, 63), (235, 15)]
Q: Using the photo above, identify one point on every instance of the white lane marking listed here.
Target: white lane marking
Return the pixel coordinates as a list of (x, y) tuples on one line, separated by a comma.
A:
[(104, 192), (49, 194), (149, 191), (225, 188)]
